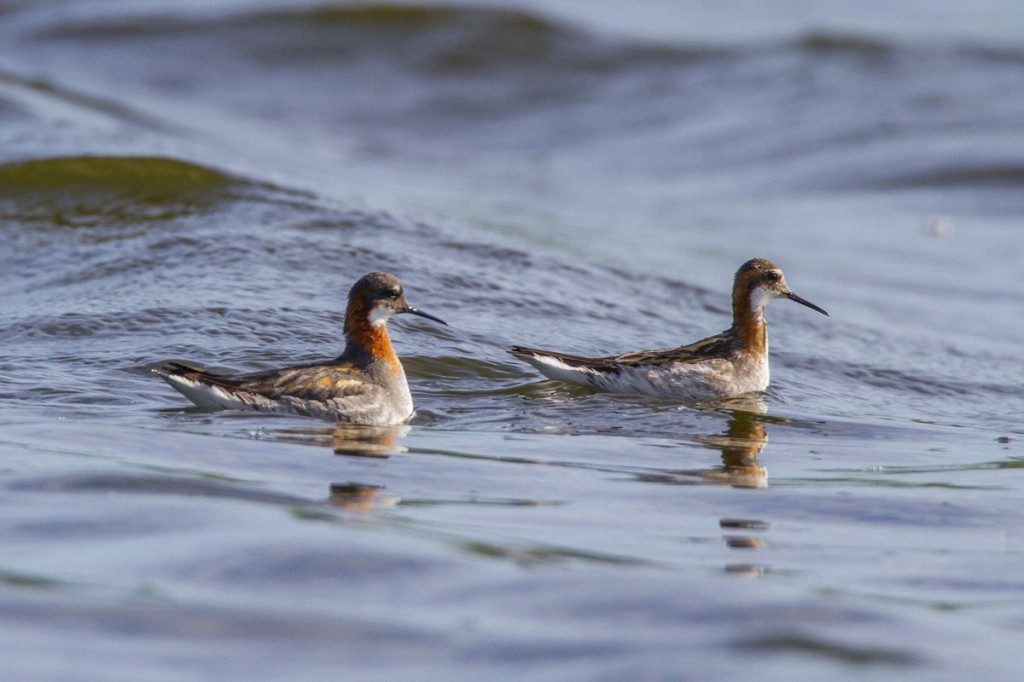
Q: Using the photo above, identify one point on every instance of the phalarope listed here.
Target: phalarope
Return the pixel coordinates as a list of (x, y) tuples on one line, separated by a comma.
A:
[(365, 385), (722, 366)]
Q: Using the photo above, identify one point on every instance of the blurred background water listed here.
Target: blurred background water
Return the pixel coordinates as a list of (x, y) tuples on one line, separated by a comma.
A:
[(205, 180)]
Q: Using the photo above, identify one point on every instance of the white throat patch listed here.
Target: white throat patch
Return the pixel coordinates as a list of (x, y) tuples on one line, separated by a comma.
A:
[(379, 315), (760, 297)]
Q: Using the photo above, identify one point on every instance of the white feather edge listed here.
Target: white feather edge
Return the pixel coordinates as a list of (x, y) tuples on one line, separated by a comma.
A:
[(553, 368), (205, 395)]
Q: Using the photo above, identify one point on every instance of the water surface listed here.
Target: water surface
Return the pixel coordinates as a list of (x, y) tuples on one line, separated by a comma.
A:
[(205, 181)]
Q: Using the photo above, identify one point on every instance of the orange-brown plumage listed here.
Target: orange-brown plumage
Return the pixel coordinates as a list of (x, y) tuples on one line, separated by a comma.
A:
[(748, 320), (721, 366), (374, 338), (365, 384)]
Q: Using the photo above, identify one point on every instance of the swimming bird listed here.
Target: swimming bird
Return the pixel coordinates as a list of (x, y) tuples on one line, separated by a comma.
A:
[(366, 384), (722, 366)]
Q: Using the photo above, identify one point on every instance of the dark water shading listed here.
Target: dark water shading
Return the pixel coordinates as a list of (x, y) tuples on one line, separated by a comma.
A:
[(144, 180), (94, 191), (466, 84)]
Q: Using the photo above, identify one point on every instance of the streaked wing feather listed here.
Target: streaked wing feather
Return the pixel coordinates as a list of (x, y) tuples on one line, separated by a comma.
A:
[(305, 382), (316, 382), (719, 346)]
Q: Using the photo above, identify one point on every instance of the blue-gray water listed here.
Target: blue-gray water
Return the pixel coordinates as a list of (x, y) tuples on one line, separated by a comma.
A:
[(205, 181)]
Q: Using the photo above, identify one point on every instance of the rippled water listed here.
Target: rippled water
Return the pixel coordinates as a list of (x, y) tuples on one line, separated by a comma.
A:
[(205, 181)]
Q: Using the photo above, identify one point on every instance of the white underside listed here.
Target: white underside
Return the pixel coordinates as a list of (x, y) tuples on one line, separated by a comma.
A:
[(203, 395), (371, 412), (709, 380)]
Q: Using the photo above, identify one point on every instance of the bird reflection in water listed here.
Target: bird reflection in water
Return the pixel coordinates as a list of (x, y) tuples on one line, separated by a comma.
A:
[(744, 439), (368, 441), (360, 496), (352, 440)]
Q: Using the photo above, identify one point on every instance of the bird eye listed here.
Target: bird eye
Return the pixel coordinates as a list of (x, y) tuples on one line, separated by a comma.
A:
[(772, 276), (394, 293)]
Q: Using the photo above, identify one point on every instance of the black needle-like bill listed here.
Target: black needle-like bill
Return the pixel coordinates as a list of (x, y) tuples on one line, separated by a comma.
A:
[(415, 311), (803, 301)]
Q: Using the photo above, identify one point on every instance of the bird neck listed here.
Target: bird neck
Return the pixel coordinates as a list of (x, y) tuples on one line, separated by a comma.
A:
[(369, 341), (749, 324)]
